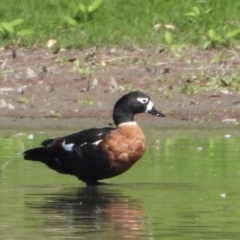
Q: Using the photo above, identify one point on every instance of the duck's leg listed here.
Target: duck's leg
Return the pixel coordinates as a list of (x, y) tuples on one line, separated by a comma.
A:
[(95, 183)]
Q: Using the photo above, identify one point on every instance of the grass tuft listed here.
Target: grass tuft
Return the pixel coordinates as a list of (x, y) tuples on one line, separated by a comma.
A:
[(124, 23)]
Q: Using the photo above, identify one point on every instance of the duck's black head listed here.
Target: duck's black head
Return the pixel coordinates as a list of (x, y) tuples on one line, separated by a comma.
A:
[(132, 103)]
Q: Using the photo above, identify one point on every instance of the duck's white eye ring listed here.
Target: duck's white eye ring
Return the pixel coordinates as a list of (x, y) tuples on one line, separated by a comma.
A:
[(142, 100)]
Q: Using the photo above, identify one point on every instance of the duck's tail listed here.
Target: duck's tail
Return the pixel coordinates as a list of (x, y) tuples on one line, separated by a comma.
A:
[(42, 155)]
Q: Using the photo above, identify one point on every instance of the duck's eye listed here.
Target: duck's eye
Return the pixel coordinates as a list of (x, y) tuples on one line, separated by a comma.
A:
[(142, 100)]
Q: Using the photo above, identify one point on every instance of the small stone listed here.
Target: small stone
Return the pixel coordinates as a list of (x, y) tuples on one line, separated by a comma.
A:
[(225, 91), (113, 85), (227, 136), (10, 106), (31, 73), (94, 83), (223, 195), (6, 89), (3, 103), (31, 137), (229, 120), (113, 51)]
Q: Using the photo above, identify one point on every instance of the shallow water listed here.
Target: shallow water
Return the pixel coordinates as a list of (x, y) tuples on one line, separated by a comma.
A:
[(185, 187)]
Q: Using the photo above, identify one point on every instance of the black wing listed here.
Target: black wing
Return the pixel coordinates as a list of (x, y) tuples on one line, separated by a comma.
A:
[(77, 154), (81, 140)]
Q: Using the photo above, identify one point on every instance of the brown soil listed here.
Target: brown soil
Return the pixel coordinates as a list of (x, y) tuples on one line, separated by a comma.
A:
[(59, 91)]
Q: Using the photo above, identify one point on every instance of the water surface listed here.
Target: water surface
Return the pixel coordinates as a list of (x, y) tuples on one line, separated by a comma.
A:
[(186, 186)]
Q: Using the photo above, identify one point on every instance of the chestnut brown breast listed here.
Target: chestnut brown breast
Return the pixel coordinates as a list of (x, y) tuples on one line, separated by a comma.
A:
[(124, 146)]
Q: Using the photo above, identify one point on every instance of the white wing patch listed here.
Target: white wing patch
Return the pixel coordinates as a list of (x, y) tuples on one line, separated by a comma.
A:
[(67, 147), (142, 100), (97, 142), (149, 106)]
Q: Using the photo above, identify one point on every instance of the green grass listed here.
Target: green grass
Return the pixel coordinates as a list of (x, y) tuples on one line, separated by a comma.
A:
[(122, 23)]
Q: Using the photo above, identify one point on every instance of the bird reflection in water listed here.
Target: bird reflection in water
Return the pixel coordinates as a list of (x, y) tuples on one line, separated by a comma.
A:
[(92, 210)]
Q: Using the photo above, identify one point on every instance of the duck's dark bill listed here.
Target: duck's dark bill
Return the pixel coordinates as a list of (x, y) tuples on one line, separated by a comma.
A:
[(155, 112)]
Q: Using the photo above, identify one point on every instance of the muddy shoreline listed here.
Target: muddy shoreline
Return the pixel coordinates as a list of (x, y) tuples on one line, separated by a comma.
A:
[(39, 89), (75, 124)]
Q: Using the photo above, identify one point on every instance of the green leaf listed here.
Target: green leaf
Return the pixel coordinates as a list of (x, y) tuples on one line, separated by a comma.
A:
[(225, 28), (22, 100), (232, 33), (206, 44), (168, 37), (177, 47), (54, 114), (208, 10), (196, 10), (8, 27), (94, 6), (1, 28), (87, 101), (82, 8), (17, 22), (71, 21), (190, 14), (24, 32), (219, 39), (216, 59), (212, 34)]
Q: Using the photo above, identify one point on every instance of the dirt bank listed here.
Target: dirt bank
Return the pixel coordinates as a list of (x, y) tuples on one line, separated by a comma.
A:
[(38, 84)]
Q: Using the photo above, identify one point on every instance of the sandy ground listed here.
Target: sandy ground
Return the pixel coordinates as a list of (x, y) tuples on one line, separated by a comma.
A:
[(50, 88)]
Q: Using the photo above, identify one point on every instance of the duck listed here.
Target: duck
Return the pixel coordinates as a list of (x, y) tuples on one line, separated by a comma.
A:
[(100, 153)]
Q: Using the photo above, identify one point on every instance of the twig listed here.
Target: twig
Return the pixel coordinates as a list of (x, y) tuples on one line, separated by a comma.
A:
[(153, 142), (236, 55), (15, 47), (7, 162), (89, 77), (118, 58), (5, 165)]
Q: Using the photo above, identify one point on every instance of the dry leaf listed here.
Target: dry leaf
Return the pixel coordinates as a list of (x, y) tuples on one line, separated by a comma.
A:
[(103, 63), (157, 26), (50, 43), (169, 26)]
